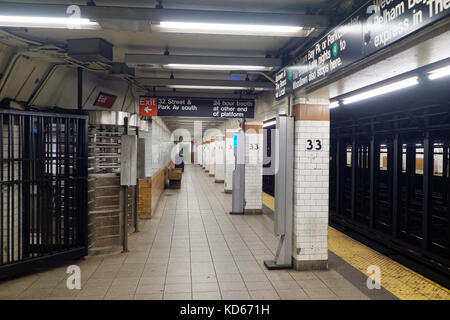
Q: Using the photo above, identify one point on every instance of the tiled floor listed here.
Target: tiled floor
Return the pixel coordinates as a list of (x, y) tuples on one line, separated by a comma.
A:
[(191, 249)]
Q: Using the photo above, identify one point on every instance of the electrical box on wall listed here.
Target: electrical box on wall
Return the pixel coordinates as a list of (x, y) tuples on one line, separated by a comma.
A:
[(90, 50), (128, 160)]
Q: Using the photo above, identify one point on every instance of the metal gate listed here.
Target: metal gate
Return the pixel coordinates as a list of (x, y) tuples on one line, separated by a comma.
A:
[(43, 205)]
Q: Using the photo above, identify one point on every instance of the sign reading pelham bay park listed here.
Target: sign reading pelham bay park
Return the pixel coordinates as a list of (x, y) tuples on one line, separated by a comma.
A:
[(198, 107), (376, 25)]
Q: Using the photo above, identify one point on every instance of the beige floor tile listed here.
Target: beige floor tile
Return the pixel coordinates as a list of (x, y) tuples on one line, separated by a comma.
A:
[(232, 285), (264, 295), (259, 285), (177, 296), (303, 275), (205, 287), (125, 282), (235, 295), (178, 288), (35, 294), (94, 283), (255, 277), (178, 279), (152, 280), (191, 243), (63, 294), (292, 294), (150, 289), (153, 296), (204, 278), (285, 284), (229, 277), (278, 275), (45, 284), (92, 293), (213, 295)]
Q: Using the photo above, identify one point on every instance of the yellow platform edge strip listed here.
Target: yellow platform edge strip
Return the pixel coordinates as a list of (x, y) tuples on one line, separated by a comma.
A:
[(268, 201), (401, 281)]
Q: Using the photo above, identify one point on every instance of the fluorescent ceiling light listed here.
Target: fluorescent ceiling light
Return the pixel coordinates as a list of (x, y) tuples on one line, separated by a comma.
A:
[(439, 73), (225, 27), (334, 104), (182, 86), (382, 90), (215, 67), (47, 22), (269, 124)]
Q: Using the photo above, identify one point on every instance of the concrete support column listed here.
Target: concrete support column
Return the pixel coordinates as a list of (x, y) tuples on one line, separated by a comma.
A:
[(212, 157), (229, 160), (253, 167), (220, 159), (206, 154), (311, 186), (200, 153)]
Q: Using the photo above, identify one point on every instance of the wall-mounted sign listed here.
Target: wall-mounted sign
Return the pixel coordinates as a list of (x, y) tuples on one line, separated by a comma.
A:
[(148, 107), (236, 140), (201, 107), (376, 25), (105, 100)]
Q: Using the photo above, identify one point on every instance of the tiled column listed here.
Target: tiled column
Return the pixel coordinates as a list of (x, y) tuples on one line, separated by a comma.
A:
[(229, 161), (253, 168), (212, 157), (200, 154), (206, 156), (312, 145), (220, 159)]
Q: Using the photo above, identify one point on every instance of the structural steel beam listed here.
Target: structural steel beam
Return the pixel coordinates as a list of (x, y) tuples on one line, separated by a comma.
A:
[(157, 15), (221, 95), (156, 60), (157, 82)]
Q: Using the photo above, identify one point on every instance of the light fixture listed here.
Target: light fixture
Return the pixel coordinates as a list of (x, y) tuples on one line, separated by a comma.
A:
[(439, 73), (47, 22), (269, 123), (228, 28), (182, 86), (184, 66), (334, 104), (382, 90)]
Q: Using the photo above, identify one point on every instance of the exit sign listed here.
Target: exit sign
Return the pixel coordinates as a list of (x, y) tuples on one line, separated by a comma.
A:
[(148, 107), (105, 100)]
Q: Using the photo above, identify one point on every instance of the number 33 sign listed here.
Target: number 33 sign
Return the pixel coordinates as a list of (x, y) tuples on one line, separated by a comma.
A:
[(310, 145)]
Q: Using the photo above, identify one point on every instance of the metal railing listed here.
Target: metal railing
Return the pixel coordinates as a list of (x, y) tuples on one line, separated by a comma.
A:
[(43, 183)]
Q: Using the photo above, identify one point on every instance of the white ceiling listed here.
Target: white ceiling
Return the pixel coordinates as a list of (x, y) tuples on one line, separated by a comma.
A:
[(189, 44)]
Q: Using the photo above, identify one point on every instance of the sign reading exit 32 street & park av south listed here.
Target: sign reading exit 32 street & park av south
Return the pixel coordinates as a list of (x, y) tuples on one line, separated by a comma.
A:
[(201, 107), (375, 26)]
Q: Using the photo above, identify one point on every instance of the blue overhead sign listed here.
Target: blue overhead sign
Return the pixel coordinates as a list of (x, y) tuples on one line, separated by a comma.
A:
[(205, 107), (375, 26)]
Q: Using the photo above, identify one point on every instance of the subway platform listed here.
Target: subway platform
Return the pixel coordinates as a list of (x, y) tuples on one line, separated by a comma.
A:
[(192, 249)]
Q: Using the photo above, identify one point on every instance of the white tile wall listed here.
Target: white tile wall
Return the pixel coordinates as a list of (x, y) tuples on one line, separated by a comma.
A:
[(311, 191), (147, 135), (220, 159), (212, 158), (206, 156), (161, 145), (200, 154), (253, 170), (229, 164)]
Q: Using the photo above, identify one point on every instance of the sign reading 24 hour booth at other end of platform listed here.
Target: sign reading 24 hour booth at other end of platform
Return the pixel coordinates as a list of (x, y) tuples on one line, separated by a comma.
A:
[(206, 107)]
